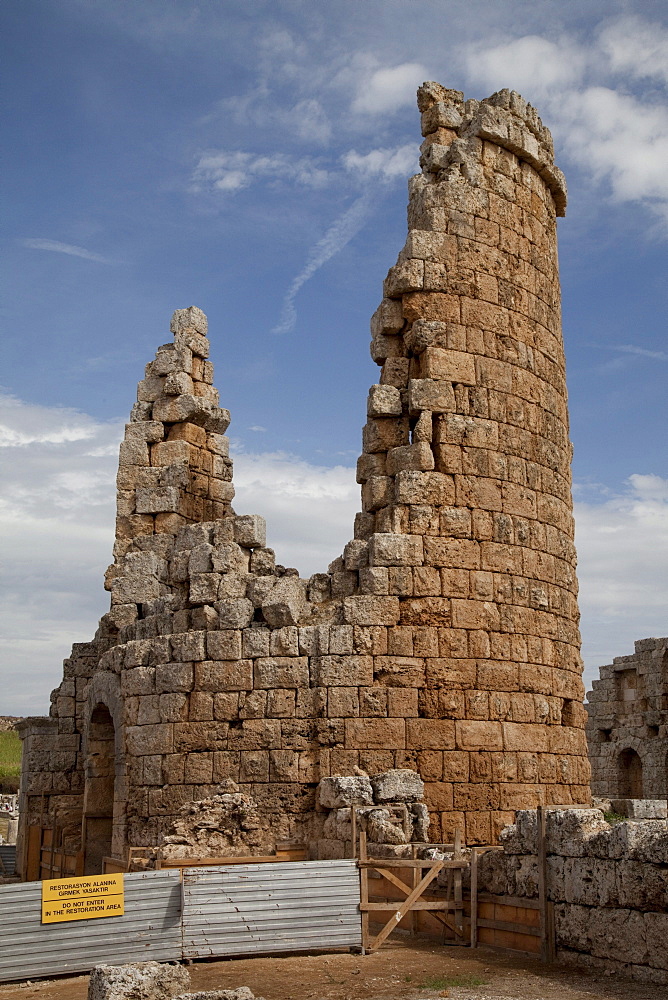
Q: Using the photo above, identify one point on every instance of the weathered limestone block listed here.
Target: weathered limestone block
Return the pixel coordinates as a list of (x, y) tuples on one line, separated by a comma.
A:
[(340, 791), (567, 830), (137, 981), (286, 603), (398, 785), (640, 808), (383, 828), (187, 320), (384, 401), (241, 993)]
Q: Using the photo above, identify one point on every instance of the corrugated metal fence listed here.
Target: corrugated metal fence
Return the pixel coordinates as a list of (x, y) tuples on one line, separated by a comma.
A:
[(8, 858), (232, 910), (251, 909), (150, 929)]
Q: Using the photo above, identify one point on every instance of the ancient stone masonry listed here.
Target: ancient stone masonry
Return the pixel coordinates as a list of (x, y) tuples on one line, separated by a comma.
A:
[(627, 728), (609, 886), (445, 637)]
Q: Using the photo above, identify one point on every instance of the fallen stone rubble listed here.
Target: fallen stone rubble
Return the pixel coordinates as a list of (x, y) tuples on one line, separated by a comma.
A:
[(153, 981), (389, 805), (227, 824), (137, 981)]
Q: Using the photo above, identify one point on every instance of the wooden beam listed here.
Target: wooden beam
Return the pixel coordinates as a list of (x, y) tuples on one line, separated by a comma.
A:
[(405, 906)]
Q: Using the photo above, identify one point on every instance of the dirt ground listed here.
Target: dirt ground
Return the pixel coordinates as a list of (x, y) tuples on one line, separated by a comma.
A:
[(402, 970)]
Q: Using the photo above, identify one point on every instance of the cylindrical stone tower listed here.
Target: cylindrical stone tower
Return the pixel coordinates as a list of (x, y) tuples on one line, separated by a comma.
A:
[(444, 639), (466, 468)]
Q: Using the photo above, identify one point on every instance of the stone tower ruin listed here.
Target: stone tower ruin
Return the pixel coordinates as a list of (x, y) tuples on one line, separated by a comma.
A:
[(444, 638)]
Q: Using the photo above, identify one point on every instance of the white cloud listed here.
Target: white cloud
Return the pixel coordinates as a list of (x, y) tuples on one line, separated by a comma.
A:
[(57, 523), (27, 423), (228, 172), (621, 139), (309, 509), (337, 236), (636, 48), (532, 65), (66, 248), (641, 352), (385, 163), (618, 139), (622, 542), (389, 88)]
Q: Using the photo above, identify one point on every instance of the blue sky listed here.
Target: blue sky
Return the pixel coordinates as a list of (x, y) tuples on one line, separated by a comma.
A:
[(251, 158)]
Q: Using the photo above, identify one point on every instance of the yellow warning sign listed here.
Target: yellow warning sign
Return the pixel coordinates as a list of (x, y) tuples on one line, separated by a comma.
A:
[(82, 898)]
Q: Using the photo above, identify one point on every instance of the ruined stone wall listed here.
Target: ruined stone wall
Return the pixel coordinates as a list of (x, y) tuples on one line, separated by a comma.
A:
[(609, 886), (445, 637), (627, 726)]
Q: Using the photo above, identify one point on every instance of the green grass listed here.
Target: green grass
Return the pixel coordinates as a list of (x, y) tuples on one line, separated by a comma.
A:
[(10, 759), (441, 982), (612, 818)]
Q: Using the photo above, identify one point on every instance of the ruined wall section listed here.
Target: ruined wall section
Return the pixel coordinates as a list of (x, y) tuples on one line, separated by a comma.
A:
[(627, 726), (445, 637), (608, 884)]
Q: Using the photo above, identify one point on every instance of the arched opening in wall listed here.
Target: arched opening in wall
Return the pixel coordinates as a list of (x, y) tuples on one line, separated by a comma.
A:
[(100, 769), (629, 775)]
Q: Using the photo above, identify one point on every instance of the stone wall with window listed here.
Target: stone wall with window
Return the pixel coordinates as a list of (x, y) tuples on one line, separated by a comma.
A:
[(627, 727)]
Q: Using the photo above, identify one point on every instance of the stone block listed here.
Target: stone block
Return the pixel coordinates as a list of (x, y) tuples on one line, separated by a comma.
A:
[(376, 734), (224, 645), (479, 735), (285, 603), (387, 319), (189, 320), (157, 500), (235, 613), (424, 488), (171, 677), (144, 741), (347, 790), (137, 981), (384, 401), (341, 670), (640, 808), (450, 366), (414, 457), (370, 610), (250, 530), (430, 734), (281, 672), (430, 394), (386, 549), (224, 675), (397, 785), (242, 993)]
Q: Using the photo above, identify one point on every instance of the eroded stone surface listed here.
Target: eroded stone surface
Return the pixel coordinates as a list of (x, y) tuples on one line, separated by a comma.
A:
[(137, 981)]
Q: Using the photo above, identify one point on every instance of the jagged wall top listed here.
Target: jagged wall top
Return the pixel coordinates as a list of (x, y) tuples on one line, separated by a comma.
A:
[(450, 124)]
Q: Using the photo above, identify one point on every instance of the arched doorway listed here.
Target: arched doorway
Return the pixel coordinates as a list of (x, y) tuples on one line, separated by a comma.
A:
[(99, 792), (629, 774)]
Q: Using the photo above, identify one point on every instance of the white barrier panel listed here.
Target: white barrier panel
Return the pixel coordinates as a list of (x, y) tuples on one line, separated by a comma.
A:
[(260, 909), (150, 930)]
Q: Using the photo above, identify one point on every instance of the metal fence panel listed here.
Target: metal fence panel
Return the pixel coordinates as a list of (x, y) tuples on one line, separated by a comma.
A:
[(8, 857), (150, 929), (264, 908)]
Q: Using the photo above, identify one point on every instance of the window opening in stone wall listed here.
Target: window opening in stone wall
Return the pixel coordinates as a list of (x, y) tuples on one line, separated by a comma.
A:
[(99, 790), (627, 688), (629, 773)]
